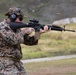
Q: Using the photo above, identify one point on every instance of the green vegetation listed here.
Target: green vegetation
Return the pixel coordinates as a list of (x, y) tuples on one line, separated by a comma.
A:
[(45, 10), (52, 44), (27, 7), (57, 67)]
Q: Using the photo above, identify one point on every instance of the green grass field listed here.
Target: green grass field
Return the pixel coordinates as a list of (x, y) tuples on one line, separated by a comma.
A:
[(57, 67), (52, 43)]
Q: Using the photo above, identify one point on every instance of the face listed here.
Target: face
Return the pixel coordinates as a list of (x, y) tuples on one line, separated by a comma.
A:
[(19, 19)]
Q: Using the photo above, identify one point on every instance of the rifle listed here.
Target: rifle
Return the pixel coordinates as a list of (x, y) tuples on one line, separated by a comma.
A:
[(37, 26)]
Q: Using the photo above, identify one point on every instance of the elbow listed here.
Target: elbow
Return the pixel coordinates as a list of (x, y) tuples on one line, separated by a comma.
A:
[(31, 43)]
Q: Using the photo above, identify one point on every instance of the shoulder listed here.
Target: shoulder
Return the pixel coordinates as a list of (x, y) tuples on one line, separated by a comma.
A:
[(3, 24)]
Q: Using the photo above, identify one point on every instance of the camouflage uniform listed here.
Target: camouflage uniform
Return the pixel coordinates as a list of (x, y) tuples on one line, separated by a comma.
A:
[(10, 49)]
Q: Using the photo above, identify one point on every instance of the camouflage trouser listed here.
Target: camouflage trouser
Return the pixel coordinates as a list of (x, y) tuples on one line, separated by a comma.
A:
[(10, 67)]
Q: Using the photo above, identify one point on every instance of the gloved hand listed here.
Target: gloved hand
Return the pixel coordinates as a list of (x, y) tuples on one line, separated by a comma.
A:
[(44, 30), (37, 34)]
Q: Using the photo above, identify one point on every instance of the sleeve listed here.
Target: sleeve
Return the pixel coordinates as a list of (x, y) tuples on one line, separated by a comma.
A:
[(30, 40), (9, 36)]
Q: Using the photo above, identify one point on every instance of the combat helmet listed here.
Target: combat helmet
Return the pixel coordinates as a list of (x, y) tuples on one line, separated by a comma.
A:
[(15, 10), (14, 13)]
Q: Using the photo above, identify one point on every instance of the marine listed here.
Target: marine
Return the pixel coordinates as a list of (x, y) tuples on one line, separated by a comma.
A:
[(10, 48)]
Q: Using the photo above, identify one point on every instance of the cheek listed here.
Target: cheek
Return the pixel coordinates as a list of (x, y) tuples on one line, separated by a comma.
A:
[(17, 20), (8, 20)]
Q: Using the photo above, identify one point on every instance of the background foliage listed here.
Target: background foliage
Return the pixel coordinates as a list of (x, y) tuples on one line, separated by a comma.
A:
[(45, 10)]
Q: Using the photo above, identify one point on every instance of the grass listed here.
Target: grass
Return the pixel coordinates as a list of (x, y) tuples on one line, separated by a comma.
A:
[(57, 67), (52, 44)]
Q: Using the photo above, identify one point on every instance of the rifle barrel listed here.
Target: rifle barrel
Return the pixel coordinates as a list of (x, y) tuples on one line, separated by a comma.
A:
[(69, 30)]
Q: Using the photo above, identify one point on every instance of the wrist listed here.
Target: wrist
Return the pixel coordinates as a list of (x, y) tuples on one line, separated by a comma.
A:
[(37, 35)]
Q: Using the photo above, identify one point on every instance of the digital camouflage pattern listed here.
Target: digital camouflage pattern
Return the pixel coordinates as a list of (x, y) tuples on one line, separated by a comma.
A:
[(10, 67), (10, 49), (15, 10)]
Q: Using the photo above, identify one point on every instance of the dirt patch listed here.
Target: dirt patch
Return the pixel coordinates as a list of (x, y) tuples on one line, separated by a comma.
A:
[(55, 70)]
